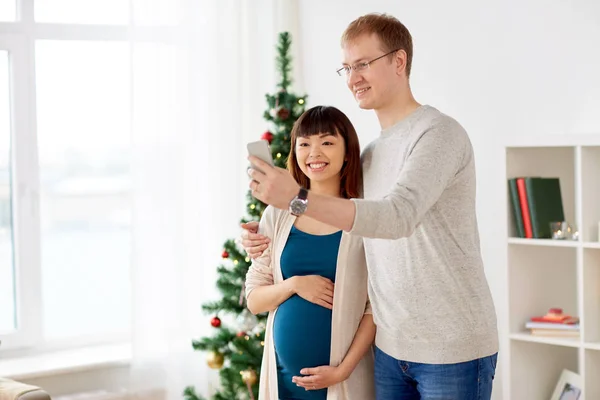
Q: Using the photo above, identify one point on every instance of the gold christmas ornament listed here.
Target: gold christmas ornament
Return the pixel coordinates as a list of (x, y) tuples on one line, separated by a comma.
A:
[(249, 377), (215, 360)]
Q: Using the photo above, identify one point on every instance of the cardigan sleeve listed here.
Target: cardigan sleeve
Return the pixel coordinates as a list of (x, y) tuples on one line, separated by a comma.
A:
[(260, 272)]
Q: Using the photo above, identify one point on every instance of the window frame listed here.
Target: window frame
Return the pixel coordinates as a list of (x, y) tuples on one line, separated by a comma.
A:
[(19, 39), (25, 228)]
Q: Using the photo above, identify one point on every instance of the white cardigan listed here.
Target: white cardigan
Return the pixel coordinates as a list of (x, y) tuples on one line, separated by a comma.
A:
[(350, 303)]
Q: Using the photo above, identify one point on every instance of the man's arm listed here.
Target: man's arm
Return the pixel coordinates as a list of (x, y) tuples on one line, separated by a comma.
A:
[(436, 158), (434, 161), (276, 187), (331, 210), (432, 164)]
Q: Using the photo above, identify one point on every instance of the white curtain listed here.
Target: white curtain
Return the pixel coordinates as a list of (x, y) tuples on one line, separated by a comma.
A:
[(198, 97)]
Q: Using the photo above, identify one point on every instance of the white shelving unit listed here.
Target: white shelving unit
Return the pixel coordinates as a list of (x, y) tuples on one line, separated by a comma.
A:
[(545, 273)]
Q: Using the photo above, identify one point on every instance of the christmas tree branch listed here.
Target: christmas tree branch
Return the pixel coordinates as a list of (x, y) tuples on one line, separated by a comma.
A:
[(284, 61)]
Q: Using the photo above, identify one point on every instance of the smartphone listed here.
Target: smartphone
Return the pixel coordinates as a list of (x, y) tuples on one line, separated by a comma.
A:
[(261, 150)]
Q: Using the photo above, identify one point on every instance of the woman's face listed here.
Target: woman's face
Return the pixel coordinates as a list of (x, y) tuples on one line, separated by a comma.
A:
[(321, 156)]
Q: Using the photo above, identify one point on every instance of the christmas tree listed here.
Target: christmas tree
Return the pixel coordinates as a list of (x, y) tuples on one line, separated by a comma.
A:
[(237, 350)]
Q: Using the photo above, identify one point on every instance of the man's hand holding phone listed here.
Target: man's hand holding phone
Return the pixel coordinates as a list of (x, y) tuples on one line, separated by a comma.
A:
[(271, 185)]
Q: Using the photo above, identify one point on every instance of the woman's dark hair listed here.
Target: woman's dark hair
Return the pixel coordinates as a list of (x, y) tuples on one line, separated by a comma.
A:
[(327, 119)]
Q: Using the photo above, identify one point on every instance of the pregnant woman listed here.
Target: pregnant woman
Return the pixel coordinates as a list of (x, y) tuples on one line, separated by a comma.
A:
[(312, 278)]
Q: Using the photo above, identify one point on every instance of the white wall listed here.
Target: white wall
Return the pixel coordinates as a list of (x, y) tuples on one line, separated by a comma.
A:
[(500, 68)]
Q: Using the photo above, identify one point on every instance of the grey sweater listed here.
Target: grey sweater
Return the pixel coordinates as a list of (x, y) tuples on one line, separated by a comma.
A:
[(430, 297)]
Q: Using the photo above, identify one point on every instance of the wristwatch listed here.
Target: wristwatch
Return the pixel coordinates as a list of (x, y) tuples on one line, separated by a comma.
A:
[(299, 203)]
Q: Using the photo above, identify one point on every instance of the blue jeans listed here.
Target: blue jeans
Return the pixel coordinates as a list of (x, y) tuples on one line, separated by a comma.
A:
[(403, 380)]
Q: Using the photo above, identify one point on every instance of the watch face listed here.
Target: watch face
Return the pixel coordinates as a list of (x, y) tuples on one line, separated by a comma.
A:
[(297, 206)]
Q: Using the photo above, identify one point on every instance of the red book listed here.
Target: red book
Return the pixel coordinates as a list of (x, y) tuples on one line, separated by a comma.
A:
[(556, 316), (524, 208)]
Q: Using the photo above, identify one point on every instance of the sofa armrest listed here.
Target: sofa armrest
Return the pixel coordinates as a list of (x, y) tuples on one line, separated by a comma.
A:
[(14, 390), (38, 394)]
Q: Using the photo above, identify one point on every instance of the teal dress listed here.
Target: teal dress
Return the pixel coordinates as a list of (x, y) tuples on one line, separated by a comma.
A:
[(301, 329)]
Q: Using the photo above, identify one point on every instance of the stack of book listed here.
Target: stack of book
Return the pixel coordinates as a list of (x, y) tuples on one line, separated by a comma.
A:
[(554, 323)]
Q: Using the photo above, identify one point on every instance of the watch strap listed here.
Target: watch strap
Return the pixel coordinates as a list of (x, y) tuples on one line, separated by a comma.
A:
[(303, 194)]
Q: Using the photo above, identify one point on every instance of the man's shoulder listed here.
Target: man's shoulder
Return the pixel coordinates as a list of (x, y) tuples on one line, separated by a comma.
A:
[(437, 122), (434, 118)]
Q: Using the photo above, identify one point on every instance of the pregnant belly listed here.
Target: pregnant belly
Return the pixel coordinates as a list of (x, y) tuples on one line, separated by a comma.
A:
[(302, 335)]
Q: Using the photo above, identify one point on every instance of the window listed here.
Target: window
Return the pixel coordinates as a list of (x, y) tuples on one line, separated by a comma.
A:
[(7, 10), (83, 137), (65, 171), (7, 275)]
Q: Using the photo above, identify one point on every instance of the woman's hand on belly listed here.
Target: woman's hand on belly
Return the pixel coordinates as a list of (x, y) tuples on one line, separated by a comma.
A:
[(320, 377), (314, 288)]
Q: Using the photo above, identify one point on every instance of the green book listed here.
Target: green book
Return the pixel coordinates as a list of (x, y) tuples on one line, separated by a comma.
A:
[(516, 207), (545, 205)]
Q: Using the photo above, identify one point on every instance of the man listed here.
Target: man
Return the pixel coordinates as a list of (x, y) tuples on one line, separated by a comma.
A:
[(436, 323)]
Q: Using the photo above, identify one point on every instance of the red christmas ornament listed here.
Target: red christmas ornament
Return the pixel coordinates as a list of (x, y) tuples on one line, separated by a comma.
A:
[(283, 113), (216, 322), (225, 254), (268, 136), (241, 334)]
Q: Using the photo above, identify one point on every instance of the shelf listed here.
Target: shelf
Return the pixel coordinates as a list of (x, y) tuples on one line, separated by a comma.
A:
[(556, 341), (555, 140), (592, 346), (546, 242), (553, 243)]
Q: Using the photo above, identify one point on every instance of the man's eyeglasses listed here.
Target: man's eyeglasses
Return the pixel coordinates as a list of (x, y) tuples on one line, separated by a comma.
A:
[(361, 66)]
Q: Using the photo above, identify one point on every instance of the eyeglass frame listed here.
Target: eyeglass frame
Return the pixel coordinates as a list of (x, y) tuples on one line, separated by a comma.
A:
[(364, 65)]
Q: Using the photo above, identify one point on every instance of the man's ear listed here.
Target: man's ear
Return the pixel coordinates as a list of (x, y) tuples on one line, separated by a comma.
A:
[(400, 58)]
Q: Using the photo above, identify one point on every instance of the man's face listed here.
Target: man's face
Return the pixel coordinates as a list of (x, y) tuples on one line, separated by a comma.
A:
[(374, 86)]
